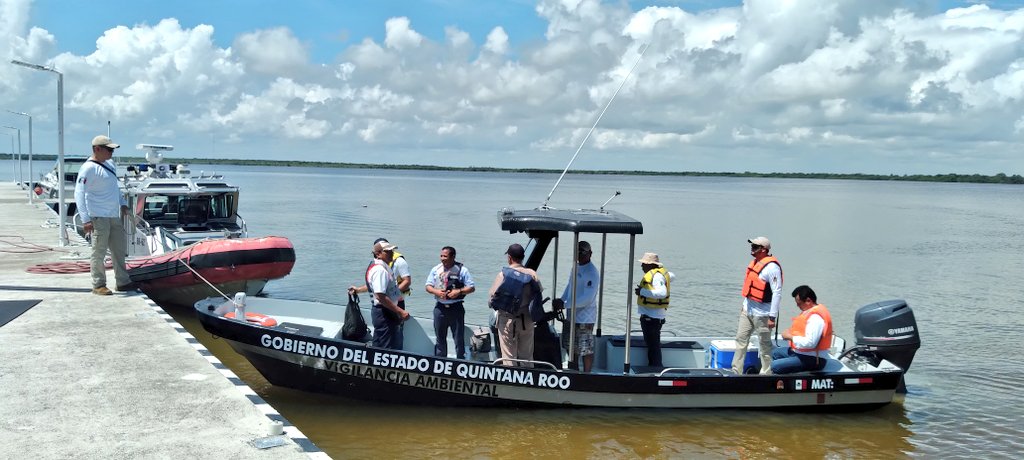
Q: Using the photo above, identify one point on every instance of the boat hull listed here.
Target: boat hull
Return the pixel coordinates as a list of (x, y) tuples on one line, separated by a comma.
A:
[(230, 265), (310, 362)]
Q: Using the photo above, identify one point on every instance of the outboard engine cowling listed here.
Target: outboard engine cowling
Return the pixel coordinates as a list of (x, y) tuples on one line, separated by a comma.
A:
[(889, 330)]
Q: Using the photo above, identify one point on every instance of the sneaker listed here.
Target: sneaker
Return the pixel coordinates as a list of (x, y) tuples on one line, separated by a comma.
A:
[(102, 290), (128, 287)]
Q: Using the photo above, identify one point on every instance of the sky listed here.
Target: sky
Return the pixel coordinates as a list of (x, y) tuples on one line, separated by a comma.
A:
[(838, 86)]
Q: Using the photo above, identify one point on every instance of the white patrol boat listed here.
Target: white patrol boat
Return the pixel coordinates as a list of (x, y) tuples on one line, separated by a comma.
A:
[(299, 344)]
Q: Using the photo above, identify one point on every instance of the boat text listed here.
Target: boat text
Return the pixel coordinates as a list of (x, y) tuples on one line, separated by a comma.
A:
[(389, 360), (299, 346), (422, 381)]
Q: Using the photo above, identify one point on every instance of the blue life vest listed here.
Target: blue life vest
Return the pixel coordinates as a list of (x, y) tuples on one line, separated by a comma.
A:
[(509, 295)]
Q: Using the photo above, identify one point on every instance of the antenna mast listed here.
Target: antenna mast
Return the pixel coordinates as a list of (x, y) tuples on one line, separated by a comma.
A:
[(642, 51)]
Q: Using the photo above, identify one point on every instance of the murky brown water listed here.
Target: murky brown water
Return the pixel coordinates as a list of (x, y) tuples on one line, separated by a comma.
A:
[(953, 251)]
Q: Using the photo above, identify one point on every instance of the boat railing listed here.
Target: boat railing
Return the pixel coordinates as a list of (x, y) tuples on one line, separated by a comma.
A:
[(524, 361), (245, 230)]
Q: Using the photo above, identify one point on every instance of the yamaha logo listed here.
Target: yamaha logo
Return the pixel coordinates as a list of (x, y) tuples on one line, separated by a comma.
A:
[(901, 330)]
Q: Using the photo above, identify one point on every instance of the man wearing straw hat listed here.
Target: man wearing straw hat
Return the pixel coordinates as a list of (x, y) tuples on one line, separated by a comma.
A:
[(652, 298)]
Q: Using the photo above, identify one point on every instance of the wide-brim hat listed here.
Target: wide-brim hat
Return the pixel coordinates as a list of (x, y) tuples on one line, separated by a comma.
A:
[(650, 258)]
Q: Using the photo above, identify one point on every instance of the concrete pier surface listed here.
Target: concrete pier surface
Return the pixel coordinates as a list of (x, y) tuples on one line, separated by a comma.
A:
[(88, 376)]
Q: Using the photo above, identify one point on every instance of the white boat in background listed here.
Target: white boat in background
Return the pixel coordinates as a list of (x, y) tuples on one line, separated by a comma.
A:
[(171, 208), (186, 227), (48, 186)]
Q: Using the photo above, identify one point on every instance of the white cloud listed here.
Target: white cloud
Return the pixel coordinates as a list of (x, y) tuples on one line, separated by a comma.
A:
[(844, 78), (497, 41), (272, 52), (400, 36)]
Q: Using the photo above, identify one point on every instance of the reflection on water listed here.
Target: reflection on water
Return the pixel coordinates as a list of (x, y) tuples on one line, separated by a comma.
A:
[(951, 250)]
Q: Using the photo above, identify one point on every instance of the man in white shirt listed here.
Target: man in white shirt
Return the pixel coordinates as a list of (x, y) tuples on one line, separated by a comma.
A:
[(761, 291), (387, 316), (588, 280), (809, 338), (101, 205), (653, 295)]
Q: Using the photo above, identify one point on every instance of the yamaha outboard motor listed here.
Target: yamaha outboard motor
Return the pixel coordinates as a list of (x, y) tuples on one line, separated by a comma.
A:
[(888, 330)]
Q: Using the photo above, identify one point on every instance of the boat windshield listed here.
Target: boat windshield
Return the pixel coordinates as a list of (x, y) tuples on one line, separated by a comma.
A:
[(168, 207)]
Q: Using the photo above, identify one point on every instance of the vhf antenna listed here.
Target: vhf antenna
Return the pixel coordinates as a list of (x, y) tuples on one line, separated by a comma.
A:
[(617, 193), (642, 51)]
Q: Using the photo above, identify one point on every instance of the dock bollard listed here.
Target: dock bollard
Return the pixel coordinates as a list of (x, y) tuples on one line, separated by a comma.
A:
[(276, 428)]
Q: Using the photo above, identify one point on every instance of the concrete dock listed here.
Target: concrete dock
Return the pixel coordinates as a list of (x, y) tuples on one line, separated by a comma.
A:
[(87, 376)]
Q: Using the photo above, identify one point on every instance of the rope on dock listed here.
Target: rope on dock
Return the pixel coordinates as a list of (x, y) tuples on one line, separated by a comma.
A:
[(64, 268)]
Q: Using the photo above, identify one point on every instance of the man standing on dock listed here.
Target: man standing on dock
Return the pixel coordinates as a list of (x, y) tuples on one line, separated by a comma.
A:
[(762, 288), (101, 207)]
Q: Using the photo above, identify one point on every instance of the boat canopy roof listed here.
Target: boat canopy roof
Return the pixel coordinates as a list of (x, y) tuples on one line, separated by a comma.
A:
[(568, 220)]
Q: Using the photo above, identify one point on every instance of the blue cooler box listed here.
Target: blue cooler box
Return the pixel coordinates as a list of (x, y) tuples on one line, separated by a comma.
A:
[(721, 352)]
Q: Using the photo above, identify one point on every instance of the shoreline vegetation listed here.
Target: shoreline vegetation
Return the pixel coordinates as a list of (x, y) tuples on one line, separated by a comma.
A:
[(965, 178)]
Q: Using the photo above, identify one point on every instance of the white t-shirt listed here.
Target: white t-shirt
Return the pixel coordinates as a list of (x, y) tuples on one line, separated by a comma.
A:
[(381, 279), (97, 193), (588, 280), (400, 268)]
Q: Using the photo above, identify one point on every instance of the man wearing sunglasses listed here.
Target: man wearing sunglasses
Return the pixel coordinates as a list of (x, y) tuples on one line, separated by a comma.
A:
[(762, 288), (101, 205)]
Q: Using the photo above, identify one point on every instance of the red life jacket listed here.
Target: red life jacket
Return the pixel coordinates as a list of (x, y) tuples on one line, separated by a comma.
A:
[(799, 328), (754, 287)]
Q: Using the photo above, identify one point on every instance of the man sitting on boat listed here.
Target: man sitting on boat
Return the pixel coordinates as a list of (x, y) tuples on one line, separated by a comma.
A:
[(516, 294), (809, 338)]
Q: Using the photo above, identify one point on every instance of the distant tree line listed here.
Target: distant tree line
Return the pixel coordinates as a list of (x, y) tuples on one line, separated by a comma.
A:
[(966, 178)]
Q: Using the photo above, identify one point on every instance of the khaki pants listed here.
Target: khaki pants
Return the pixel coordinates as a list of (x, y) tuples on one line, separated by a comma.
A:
[(107, 233), (749, 325), (515, 334)]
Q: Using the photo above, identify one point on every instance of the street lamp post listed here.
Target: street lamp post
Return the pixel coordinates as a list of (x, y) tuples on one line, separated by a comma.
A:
[(31, 176), (17, 173), (62, 210)]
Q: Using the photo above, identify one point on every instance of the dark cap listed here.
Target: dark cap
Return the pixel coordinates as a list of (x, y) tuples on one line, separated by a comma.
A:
[(516, 251), (378, 240)]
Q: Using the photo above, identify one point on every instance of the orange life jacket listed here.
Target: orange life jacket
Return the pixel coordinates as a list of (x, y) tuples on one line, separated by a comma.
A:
[(756, 288), (800, 326)]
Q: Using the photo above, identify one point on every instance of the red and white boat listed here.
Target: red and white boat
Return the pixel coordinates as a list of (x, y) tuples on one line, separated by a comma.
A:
[(230, 264)]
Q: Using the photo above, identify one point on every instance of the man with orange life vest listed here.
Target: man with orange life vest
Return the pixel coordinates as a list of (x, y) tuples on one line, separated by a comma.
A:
[(449, 282), (652, 299), (810, 337), (387, 316), (761, 288)]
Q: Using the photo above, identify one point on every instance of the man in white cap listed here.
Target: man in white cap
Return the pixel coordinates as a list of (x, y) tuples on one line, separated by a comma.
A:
[(652, 298), (762, 291), (387, 316), (101, 205)]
